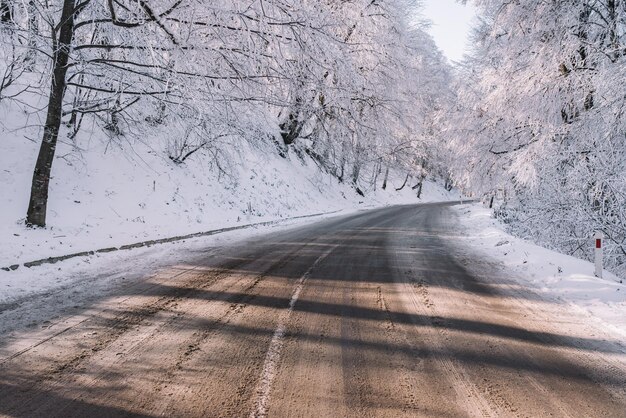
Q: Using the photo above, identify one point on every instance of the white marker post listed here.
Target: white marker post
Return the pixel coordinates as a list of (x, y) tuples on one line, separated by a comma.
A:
[(598, 237)]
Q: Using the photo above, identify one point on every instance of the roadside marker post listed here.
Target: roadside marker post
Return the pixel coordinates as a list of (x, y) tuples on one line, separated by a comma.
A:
[(598, 238)]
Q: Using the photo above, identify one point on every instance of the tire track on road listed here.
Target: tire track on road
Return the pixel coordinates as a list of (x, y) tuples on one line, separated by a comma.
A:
[(272, 357)]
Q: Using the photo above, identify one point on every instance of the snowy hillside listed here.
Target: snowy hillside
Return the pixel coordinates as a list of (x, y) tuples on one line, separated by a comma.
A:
[(139, 127), (113, 193)]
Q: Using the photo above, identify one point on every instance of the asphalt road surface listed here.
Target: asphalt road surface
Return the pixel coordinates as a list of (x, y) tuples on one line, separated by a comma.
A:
[(375, 314)]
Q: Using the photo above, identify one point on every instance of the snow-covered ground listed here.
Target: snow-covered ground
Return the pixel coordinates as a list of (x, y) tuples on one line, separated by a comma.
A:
[(552, 275), (108, 192)]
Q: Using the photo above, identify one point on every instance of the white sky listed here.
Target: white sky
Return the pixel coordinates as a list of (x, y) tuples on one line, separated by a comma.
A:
[(451, 23)]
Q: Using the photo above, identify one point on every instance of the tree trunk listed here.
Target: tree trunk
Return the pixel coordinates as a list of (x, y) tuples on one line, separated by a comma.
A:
[(377, 171), (403, 184), (342, 169), (356, 171), (386, 177), (33, 33), (418, 187), (614, 38), (290, 130), (37, 205)]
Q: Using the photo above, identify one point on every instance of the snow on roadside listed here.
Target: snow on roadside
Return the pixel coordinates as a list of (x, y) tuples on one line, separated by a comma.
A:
[(553, 275), (115, 191), (128, 265), (105, 197), (122, 266)]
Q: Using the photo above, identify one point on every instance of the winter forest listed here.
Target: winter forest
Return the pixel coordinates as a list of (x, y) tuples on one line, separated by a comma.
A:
[(532, 121)]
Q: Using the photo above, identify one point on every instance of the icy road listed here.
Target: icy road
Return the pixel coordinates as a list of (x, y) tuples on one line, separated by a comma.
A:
[(371, 314)]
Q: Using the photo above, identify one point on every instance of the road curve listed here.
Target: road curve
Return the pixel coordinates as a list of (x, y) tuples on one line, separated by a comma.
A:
[(369, 315)]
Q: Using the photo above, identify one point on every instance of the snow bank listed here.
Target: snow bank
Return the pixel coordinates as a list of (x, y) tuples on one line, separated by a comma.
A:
[(553, 275)]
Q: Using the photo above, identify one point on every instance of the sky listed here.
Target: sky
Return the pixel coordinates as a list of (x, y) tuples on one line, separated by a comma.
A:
[(450, 25)]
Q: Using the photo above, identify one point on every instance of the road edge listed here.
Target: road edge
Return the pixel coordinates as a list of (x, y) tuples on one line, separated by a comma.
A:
[(150, 243)]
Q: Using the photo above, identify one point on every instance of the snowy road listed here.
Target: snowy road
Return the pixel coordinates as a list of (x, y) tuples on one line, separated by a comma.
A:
[(372, 314)]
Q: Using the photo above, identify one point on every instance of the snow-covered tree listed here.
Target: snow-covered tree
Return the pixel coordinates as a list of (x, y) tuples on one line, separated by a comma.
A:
[(539, 120), (353, 84)]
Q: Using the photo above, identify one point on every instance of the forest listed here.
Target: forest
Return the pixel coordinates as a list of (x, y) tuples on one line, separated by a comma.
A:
[(539, 121), (531, 121)]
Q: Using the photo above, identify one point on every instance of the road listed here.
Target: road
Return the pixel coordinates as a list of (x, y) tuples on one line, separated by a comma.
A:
[(374, 314)]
